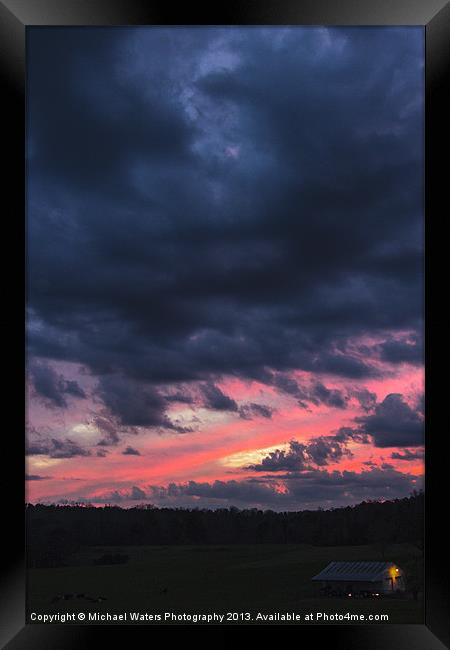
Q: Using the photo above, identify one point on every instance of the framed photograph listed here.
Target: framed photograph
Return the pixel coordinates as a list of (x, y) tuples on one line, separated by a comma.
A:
[(225, 216)]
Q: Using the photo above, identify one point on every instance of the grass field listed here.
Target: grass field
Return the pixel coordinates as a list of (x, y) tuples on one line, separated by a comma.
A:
[(203, 579)]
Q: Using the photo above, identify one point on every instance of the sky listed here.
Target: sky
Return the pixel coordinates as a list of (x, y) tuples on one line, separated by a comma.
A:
[(225, 255)]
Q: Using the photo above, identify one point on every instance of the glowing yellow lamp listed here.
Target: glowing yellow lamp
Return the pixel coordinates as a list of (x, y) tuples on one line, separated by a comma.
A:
[(393, 572)]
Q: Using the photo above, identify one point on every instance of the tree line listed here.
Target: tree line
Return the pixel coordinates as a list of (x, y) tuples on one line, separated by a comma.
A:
[(55, 532)]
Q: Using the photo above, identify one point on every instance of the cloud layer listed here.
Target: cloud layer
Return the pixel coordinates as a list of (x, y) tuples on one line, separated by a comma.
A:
[(158, 255)]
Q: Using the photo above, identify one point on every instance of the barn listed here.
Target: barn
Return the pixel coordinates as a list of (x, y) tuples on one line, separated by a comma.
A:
[(364, 579)]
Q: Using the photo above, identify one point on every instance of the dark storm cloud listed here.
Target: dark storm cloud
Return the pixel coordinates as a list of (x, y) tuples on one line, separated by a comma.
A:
[(55, 448), (214, 398), (320, 394), (367, 400), (325, 450), (345, 434), (312, 489), (51, 387), (287, 385), (408, 455), (71, 502), (134, 404), (403, 351), (137, 493), (251, 410), (393, 423), (182, 396), (109, 429), (314, 393), (85, 145), (238, 491), (304, 456), (130, 451), (134, 494), (421, 404), (294, 459), (36, 477), (355, 486), (72, 387), (217, 400), (205, 202)]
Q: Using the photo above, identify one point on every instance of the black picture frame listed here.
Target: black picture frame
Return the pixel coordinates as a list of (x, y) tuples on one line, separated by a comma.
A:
[(434, 16)]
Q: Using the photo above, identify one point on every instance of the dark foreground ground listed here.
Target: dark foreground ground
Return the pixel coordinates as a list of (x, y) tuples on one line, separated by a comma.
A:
[(207, 579)]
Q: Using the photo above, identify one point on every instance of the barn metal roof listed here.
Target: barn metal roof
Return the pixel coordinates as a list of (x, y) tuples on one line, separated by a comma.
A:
[(363, 571)]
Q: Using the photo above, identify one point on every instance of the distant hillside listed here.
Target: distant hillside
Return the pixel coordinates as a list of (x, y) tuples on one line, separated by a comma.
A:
[(54, 532)]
